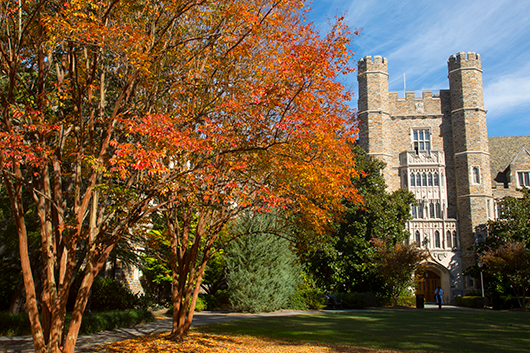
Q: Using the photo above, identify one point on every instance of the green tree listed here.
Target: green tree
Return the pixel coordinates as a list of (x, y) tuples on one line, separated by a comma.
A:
[(396, 264), (509, 265), (513, 224), (344, 263), (263, 272), (504, 251)]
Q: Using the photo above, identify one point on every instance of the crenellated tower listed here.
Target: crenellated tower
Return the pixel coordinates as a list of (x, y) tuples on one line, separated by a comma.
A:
[(471, 151), (373, 109), (436, 146)]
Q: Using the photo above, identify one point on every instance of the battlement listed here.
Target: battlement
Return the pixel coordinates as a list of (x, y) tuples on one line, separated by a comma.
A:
[(378, 63), (464, 60), (428, 103)]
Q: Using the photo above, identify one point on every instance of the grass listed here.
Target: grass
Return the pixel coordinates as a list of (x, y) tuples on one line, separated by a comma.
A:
[(407, 330)]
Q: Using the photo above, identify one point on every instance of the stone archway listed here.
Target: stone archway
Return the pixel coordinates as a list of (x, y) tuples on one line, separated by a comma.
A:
[(435, 275)]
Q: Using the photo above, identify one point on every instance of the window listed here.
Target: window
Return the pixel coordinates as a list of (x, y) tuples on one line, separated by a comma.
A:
[(431, 210), (414, 212), (404, 180), (524, 179), (437, 239), (455, 240), (436, 180), (418, 238), (429, 179), (476, 175), (418, 179), (448, 238), (438, 211), (424, 179), (412, 180), (422, 140), (420, 210)]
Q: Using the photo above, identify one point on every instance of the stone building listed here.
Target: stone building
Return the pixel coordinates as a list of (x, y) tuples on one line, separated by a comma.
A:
[(437, 147)]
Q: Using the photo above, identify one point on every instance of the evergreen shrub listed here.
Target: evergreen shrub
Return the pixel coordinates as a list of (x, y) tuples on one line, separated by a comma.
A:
[(263, 272)]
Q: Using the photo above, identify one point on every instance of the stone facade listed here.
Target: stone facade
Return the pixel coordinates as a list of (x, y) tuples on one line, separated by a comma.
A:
[(437, 146)]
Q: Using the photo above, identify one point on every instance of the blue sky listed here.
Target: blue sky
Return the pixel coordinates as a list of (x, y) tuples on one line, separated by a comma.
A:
[(418, 36)]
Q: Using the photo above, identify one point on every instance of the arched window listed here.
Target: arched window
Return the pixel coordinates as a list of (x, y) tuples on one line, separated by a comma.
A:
[(437, 239), (438, 211), (476, 175), (414, 212), (448, 239), (431, 210), (424, 179), (418, 238), (418, 179), (412, 180), (420, 210), (430, 179), (436, 180), (455, 240)]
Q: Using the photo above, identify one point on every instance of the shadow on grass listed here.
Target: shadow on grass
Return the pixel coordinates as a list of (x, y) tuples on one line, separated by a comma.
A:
[(424, 330)]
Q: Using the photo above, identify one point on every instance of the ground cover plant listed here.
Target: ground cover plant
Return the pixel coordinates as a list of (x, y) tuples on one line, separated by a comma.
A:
[(18, 324)]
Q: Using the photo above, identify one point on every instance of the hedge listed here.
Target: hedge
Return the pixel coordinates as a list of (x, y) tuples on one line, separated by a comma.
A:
[(18, 324)]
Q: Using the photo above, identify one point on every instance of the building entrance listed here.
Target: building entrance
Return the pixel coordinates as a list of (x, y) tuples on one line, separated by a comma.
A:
[(427, 285)]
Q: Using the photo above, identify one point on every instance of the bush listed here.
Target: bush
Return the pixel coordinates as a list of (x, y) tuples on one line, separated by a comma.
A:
[(14, 324), (109, 294), (471, 301), (357, 300), (110, 320), (402, 301), (263, 272), (306, 298), (219, 300), (18, 324)]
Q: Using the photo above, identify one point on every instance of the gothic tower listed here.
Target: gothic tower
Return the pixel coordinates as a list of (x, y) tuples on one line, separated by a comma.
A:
[(373, 109), (471, 151)]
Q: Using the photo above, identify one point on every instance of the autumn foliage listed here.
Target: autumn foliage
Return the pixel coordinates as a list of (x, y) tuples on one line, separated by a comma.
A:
[(113, 110)]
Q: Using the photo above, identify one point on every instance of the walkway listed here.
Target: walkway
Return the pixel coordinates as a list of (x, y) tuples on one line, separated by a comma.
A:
[(24, 344)]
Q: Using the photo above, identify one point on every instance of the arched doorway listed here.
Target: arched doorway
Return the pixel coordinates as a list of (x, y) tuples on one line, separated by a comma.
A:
[(427, 284)]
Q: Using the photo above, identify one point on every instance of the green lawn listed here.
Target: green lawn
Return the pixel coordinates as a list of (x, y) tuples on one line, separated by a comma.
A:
[(414, 330)]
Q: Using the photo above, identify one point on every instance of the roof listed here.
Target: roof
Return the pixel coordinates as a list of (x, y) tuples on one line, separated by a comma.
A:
[(503, 150)]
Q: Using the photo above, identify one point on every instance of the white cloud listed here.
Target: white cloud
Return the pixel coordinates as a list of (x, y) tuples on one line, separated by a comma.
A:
[(510, 92)]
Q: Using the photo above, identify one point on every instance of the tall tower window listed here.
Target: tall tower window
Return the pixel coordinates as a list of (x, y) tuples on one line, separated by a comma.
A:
[(455, 240), (436, 180), (524, 179), (437, 239), (438, 211), (476, 175), (429, 178), (448, 238), (412, 180), (418, 179), (424, 179), (418, 238), (431, 210), (414, 212), (422, 140)]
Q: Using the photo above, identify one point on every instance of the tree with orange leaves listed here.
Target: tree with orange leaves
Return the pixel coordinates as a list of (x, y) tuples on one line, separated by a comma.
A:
[(113, 110)]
